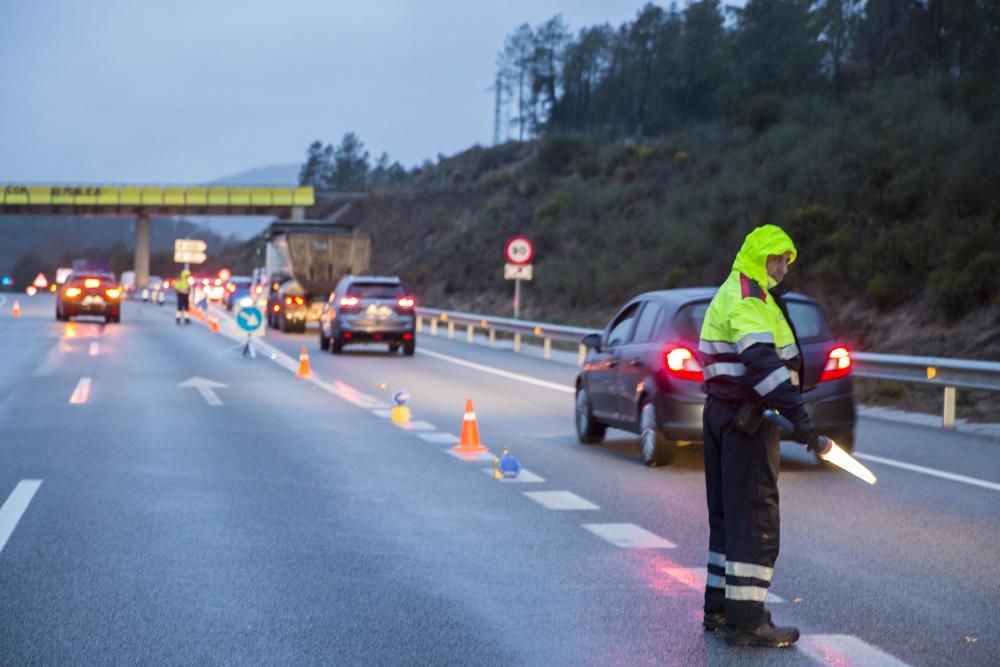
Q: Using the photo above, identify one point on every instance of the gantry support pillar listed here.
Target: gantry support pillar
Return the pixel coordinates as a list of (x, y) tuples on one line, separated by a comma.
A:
[(141, 251)]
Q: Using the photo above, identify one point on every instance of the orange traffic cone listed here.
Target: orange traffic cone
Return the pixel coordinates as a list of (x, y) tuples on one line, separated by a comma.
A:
[(16, 310), (469, 442), (213, 325), (304, 369)]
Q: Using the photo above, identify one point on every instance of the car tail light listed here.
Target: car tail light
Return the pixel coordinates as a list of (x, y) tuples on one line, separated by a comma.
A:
[(218, 281), (166, 285), (277, 307), (407, 336), (838, 364), (350, 302), (299, 301), (681, 363), (113, 293), (231, 287), (288, 300), (91, 283), (73, 292), (260, 289), (406, 302)]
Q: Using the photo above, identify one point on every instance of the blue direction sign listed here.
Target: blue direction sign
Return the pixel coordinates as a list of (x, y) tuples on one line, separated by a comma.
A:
[(249, 318)]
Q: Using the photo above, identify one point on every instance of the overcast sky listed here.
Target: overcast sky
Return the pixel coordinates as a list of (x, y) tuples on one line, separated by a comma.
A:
[(187, 91)]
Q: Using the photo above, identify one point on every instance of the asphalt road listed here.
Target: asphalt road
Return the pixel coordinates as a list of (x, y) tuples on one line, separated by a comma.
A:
[(281, 520)]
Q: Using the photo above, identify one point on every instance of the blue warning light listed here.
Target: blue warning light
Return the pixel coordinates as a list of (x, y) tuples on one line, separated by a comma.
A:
[(7, 281)]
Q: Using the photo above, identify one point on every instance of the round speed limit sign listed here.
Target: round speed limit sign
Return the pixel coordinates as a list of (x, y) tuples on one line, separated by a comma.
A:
[(519, 250)]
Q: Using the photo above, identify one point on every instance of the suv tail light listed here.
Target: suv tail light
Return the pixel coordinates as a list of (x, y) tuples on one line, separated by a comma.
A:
[(681, 363), (113, 293), (838, 364), (349, 303), (73, 292), (406, 302)]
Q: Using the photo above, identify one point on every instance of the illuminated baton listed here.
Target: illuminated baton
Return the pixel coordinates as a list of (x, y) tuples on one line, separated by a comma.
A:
[(833, 454)]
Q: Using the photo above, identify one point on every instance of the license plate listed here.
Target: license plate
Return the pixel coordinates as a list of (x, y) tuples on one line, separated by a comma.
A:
[(93, 301)]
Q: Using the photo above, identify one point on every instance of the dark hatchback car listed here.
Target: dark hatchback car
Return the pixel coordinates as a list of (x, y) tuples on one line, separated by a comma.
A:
[(368, 309), (642, 373), (94, 294)]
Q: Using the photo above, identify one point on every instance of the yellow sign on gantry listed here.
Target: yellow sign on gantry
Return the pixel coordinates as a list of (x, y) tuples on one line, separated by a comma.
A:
[(155, 196)]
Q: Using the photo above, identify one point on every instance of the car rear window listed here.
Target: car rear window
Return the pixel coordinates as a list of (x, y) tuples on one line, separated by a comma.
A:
[(375, 290), (810, 325)]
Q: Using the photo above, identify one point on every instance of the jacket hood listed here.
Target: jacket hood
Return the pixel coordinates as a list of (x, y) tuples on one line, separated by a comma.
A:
[(765, 240)]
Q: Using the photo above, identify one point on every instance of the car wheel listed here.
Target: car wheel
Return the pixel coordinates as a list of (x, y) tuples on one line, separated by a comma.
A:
[(588, 430), (324, 342), (286, 326), (336, 345), (409, 348), (656, 449)]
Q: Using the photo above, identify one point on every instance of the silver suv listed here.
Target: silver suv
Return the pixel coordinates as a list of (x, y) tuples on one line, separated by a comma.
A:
[(368, 309)]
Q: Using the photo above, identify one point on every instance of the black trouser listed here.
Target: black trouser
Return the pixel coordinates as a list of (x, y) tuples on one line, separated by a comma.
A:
[(741, 481), (182, 304)]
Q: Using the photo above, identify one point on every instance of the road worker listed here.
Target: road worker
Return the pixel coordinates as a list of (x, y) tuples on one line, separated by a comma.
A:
[(183, 288), (751, 361)]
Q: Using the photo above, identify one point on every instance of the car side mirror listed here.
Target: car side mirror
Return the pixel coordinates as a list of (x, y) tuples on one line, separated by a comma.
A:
[(592, 340)]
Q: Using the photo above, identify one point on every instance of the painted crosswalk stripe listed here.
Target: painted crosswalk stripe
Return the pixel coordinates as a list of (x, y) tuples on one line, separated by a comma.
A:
[(629, 536), (560, 500), (384, 414), (94, 347), (439, 438), (13, 509), (694, 578), (524, 477), (845, 650), (82, 391)]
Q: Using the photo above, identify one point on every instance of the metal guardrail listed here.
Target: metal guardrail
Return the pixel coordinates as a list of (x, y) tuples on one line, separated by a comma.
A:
[(951, 374)]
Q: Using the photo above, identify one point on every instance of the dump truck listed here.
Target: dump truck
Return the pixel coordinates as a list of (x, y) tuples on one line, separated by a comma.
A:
[(303, 262)]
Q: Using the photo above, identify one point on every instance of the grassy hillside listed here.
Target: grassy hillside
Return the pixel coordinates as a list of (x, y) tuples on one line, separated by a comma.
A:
[(890, 196)]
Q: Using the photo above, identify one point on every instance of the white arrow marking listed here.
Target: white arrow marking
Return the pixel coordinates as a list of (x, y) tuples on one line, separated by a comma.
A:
[(206, 388)]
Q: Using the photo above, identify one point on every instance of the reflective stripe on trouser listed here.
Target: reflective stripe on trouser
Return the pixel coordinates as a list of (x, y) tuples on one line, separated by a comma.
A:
[(741, 483)]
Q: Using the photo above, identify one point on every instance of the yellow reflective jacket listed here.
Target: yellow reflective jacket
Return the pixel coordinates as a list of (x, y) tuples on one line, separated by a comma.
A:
[(747, 347), (183, 286)]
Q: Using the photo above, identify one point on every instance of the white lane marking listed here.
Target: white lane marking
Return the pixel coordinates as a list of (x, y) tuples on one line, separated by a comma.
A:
[(348, 393), (439, 438), (417, 425), (206, 388), (82, 391), (993, 486), (94, 348), (13, 509), (845, 650), (478, 456), (694, 578), (3, 300), (629, 536), (384, 414), (524, 477), (496, 371), (560, 500)]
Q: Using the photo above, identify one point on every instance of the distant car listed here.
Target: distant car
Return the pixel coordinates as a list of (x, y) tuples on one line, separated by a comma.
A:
[(96, 294), (237, 287), (127, 284), (642, 373), (153, 289), (368, 309)]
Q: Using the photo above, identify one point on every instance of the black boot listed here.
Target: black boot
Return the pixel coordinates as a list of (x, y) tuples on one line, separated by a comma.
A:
[(714, 621), (766, 635)]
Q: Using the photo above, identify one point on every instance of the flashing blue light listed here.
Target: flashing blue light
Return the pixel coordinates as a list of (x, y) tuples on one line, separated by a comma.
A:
[(7, 281)]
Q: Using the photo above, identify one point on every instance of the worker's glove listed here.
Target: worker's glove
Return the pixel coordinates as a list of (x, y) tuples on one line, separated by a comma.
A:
[(805, 433), (819, 445)]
